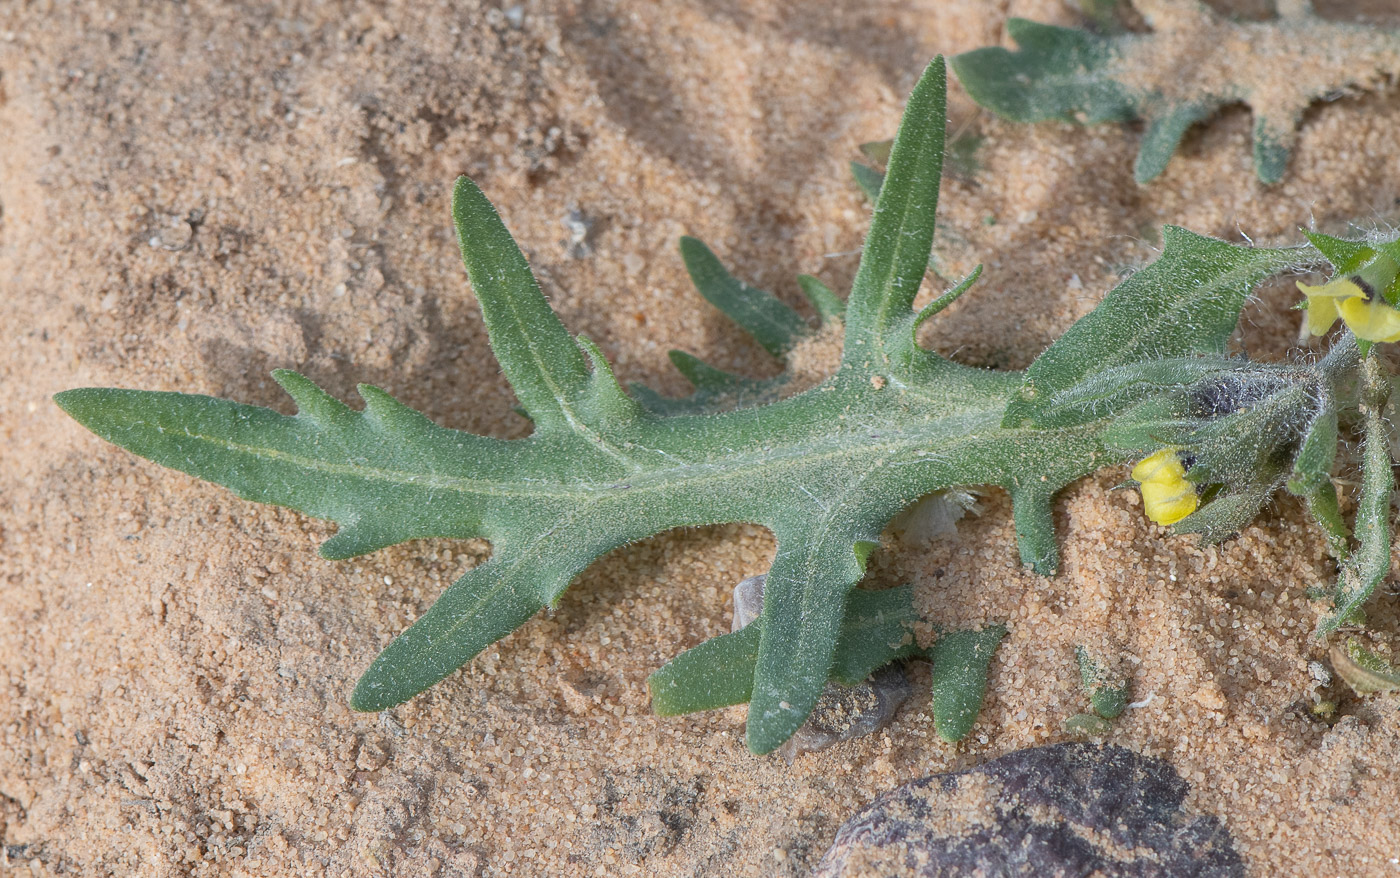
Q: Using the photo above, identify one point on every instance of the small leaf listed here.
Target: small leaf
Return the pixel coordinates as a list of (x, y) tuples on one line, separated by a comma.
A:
[(877, 630), (1364, 671), (946, 299), (1107, 693), (715, 390), (1273, 141), (720, 671), (869, 180), (1031, 509), (878, 151), (717, 673), (804, 597), (829, 306), (775, 326), (1324, 509), (1345, 256), (961, 159), (960, 662), (1229, 513), (1057, 73)]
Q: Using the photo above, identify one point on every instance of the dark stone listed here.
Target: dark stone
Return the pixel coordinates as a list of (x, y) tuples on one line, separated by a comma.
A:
[(1074, 809)]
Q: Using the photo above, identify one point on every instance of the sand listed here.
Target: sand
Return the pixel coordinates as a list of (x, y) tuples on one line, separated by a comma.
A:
[(192, 195)]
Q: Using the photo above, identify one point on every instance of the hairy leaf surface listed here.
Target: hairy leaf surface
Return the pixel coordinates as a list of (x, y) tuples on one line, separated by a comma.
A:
[(1074, 75), (824, 470)]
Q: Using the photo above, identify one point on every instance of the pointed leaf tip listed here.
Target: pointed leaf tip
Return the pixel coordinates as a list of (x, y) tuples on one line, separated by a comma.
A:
[(762, 315), (897, 248), (539, 358), (605, 398), (390, 413), (484, 605), (702, 374), (311, 400), (830, 306)]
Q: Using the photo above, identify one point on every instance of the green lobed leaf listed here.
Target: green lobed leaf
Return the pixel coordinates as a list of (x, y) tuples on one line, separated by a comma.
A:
[(1074, 75), (824, 470), (1162, 137), (1057, 73), (1186, 302)]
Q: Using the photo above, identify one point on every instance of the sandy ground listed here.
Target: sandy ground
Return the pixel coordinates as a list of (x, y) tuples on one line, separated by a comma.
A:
[(193, 194)]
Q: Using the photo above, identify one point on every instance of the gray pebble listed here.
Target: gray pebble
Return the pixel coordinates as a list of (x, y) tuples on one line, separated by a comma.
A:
[(1074, 809)]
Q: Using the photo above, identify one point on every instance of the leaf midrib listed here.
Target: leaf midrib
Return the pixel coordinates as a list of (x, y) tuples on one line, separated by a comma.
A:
[(765, 460)]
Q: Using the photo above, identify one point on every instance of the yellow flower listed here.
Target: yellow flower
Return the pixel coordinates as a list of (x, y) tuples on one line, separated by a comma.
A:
[(1167, 497), (1358, 300)]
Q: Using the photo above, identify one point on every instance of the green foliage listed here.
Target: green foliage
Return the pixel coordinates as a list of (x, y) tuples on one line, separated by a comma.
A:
[(960, 664), (1116, 75), (1363, 670), (1107, 693), (1089, 725), (878, 629), (825, 470), (1370, 563)]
